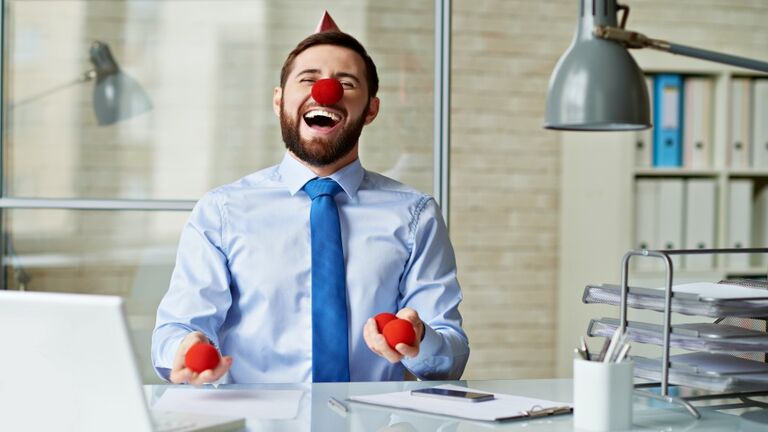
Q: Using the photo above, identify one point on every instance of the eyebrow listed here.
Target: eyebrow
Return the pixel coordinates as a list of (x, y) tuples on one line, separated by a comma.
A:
[(348, 75), (308, 71), (338, 75)]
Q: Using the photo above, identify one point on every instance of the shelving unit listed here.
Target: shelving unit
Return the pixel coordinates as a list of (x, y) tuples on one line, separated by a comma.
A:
[(599, 174)]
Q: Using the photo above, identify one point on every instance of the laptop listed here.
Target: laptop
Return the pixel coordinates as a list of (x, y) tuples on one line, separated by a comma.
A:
[(68, 365)]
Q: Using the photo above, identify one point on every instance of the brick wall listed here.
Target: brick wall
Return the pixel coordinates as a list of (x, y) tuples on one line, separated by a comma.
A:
[(504, 181), (505, 167)]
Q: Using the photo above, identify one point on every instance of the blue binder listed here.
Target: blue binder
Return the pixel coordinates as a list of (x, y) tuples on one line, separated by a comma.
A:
[(668, 120)]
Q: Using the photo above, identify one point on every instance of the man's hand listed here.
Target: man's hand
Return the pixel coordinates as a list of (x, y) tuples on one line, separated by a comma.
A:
[(181, 374), (378, 344)]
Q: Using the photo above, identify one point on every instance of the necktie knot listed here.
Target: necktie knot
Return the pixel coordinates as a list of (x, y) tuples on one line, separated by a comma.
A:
[(322, 187)]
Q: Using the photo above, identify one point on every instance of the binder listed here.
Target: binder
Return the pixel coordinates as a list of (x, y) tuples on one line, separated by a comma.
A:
[(644, 138), (697, 122), (699, 222), (646, 221), (760, 123), (739, 221), (760, 226), (670, 217), (739, 141), (668, 113)]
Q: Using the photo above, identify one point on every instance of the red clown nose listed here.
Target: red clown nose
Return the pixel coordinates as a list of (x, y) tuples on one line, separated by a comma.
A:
[(327, 91)]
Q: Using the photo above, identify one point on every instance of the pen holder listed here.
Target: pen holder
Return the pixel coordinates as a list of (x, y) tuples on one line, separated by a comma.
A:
[(602, 395)]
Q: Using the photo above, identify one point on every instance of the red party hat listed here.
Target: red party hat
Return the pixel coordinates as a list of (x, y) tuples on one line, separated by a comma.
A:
[(326, 24)]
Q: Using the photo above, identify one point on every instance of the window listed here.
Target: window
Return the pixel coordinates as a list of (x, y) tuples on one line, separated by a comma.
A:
[(98, 208)]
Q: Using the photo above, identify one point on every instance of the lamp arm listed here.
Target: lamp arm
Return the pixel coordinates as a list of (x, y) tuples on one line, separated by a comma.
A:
[(638, 40), (718, 57), (82, 78)]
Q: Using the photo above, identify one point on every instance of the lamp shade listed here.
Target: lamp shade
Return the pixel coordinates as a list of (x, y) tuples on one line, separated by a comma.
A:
[(116, 96), (597, 85)]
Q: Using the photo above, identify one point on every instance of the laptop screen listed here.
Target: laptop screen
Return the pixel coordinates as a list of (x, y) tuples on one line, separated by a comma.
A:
[(68, 364)]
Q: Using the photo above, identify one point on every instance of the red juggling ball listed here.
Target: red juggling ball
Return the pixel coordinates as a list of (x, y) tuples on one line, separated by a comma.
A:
[(202, 356), (327, 91), (399, 330), (382, 319)]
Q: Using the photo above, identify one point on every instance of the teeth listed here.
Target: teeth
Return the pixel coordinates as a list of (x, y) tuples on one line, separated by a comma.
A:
[(319, 112)]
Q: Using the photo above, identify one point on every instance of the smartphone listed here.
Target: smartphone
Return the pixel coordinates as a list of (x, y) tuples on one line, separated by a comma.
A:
[(456, 395)]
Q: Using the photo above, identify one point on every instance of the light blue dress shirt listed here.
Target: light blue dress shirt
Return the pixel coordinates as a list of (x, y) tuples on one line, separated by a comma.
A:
[(243, 277)]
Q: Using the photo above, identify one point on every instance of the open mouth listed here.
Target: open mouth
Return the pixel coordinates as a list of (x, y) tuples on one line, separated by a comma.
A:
[(321, 119)]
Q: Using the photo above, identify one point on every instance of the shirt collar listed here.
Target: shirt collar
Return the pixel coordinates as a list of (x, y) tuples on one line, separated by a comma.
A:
[(296, 175)]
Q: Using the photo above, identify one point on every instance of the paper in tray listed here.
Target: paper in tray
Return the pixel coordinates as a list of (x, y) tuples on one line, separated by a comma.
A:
[(719, 292), (711, 302), (712, 372), (706, 337)]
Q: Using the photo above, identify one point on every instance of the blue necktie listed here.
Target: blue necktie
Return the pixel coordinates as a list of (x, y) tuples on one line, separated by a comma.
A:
[(330, 340)]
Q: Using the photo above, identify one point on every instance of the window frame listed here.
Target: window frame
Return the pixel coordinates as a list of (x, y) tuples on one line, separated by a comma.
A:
[(441, 143)]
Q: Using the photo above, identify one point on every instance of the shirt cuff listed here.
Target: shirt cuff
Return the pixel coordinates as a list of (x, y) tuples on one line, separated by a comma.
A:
[(172, 347), (428, 347), (166, 354)]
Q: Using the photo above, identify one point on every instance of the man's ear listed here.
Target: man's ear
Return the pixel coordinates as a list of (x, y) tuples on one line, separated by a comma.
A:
[(277, 97), (373, 110)]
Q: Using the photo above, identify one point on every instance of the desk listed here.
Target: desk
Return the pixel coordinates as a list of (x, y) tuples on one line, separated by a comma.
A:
[(314, 414)]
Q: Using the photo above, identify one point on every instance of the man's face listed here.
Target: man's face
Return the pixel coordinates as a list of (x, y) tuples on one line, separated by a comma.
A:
[(317, 134)]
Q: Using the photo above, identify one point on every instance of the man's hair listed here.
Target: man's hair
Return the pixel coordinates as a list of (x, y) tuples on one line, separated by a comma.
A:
[(338, 39)]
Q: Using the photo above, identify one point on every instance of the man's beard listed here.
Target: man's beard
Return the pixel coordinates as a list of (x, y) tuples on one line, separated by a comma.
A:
[(319, 151)]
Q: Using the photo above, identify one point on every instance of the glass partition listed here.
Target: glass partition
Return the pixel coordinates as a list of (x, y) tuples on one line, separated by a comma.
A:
[(208, 69), (125, 253)]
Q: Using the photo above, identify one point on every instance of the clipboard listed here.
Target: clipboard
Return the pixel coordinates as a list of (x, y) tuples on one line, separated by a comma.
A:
[(502, 407)]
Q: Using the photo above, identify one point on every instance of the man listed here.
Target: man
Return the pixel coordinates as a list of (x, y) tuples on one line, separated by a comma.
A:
[(246, 277)]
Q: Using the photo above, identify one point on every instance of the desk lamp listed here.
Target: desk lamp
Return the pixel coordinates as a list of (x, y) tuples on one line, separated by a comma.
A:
[(116, 96), (597, 86)]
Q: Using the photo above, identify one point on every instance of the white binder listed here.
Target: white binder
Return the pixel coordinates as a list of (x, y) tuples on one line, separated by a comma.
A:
[(644, 138), (760, 123), (739, 221), (697, 123), (700, 210), (646, 221), (739, 146), (670, 219), (760, 226)]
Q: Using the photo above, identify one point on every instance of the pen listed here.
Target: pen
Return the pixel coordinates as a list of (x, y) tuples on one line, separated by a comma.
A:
[(612, 346), (541, 412), (580, 353), (338, 407), (622, 353), (603, 350), (584, 349)]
